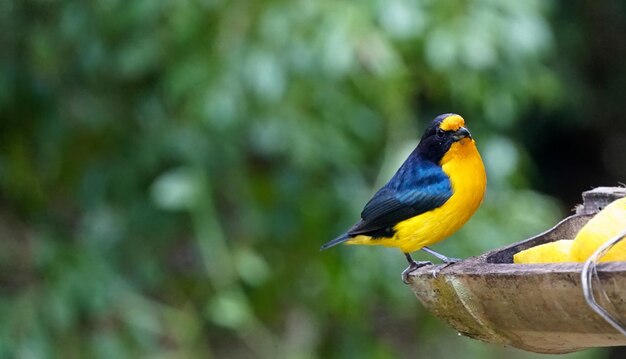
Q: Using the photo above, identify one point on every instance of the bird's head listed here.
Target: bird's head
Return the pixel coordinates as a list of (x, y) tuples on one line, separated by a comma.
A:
[(443, 132)]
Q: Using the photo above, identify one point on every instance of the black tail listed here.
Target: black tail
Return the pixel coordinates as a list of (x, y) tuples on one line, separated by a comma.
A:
[(342, 238)]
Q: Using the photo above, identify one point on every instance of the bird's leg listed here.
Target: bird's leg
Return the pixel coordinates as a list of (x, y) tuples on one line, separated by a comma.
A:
[(413, 265), (446, 260)]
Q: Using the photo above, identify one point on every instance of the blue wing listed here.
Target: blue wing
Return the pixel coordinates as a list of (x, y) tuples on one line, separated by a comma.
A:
[(416, 188)]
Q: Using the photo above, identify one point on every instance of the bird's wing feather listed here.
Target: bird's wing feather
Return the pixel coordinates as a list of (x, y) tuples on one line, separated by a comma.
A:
[(402, 198)]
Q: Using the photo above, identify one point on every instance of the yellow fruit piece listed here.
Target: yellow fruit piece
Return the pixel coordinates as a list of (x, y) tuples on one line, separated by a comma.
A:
[(553, 252), (605, 225)]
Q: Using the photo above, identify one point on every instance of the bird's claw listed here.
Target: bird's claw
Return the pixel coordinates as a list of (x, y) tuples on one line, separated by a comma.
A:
[(438, 268), (412, 267)]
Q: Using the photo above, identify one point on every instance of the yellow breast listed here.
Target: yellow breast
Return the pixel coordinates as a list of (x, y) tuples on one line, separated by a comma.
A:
[(462, 163)]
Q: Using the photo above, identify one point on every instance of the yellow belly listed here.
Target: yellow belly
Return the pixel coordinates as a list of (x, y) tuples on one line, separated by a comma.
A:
[(462, 163)]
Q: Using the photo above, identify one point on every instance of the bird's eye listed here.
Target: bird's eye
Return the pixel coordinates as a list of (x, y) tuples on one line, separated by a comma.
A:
[(440, 133)]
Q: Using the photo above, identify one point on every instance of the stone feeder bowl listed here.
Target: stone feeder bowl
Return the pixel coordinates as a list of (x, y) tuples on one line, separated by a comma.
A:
[(535, 307)]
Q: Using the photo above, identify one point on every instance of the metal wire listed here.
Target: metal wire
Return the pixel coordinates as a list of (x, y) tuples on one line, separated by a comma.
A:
[(590, 270)]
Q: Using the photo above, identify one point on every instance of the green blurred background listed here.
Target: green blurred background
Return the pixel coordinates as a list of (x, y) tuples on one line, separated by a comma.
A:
[(169, 169)]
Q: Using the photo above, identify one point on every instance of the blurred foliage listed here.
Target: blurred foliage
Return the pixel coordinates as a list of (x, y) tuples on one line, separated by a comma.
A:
[(169, 169)]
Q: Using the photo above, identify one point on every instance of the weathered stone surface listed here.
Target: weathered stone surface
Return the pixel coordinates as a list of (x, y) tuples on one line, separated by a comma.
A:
[(535, 307)]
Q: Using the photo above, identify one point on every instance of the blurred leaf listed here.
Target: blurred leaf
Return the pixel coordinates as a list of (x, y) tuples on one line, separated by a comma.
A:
[(176, 189), (252, 268), (229, 309)]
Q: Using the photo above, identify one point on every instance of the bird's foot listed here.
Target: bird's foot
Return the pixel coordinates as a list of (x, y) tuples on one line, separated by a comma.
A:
[(412, 267), (438, 268)]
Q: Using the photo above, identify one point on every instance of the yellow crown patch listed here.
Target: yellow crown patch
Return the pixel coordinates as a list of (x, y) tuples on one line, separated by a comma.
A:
[(452, 123)]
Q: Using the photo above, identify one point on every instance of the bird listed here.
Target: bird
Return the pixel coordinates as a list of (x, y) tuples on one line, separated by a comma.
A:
[(432, 195)]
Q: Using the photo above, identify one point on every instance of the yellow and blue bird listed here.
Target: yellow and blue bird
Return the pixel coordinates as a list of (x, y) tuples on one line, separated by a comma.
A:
[(433, 194)]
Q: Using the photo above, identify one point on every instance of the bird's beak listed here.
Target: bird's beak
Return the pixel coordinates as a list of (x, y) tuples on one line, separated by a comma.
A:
[(460, 134)]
